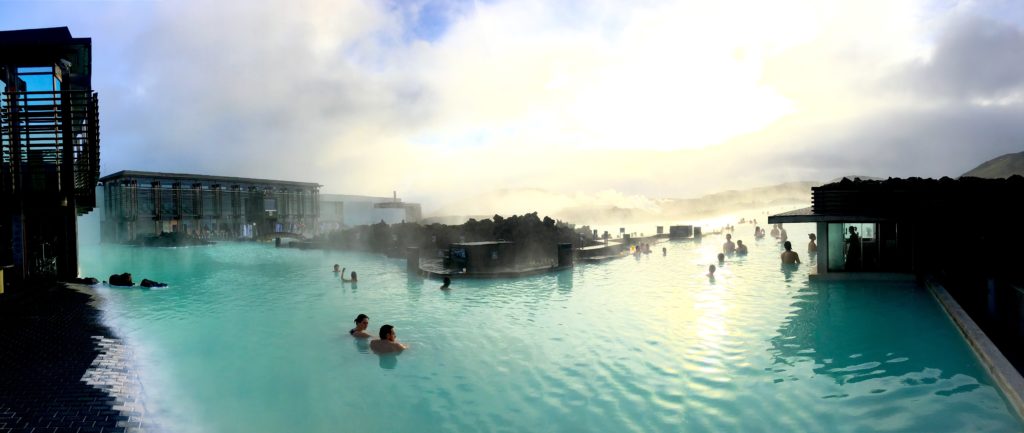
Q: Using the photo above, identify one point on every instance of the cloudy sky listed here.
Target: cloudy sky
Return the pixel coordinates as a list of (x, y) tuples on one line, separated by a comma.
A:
[(442, 99)]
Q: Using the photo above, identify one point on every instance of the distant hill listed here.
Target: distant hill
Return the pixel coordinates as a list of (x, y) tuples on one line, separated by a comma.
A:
[(610, 206), (1001, 167), (613, 207), (794, 194)]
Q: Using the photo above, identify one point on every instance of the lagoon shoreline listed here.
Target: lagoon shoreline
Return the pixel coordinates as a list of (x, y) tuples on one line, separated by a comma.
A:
[(62, 369)]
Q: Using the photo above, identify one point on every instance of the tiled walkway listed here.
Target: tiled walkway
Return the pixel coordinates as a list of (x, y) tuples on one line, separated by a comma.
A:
[(61, 370)]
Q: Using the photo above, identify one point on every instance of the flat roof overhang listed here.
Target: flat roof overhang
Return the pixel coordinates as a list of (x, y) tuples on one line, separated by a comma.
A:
[(807, 215), (201, 178), (476, 244)]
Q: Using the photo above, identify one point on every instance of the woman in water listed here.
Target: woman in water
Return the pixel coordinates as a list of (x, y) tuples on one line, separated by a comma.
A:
[(362, 321), (348, 280)]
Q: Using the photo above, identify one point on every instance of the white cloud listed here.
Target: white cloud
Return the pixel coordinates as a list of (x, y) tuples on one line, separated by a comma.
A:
[(656, 98)]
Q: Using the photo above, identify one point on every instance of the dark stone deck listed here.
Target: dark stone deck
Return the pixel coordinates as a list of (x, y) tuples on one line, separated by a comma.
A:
[(61, 370)]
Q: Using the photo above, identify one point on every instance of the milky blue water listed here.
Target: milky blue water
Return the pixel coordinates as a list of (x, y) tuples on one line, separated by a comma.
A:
[(249, 338)]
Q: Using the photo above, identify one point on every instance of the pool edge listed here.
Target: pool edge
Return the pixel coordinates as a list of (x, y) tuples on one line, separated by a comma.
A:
[(1009, 380), (113, 370)]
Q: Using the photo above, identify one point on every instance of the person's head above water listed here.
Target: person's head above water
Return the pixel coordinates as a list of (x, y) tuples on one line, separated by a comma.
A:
[(363, 320), (721, 257), (812, 236), (711, 270), (739, 242), (447, 282), (336, 267), (353, 275), (728, 237), (788, 246), (387, 332)]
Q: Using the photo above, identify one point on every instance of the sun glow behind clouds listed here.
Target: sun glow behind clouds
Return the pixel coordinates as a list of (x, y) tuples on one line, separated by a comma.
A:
[(368, 97), (674, 76), (690, 76)]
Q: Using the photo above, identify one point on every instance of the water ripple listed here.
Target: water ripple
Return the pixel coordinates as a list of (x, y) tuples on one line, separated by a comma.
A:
[(253, 338)]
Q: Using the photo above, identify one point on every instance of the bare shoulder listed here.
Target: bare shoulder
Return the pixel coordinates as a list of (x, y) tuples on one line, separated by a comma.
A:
[(384, 346)]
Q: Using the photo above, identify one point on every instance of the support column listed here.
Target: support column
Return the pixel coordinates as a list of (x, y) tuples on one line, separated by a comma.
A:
[(822, 248)]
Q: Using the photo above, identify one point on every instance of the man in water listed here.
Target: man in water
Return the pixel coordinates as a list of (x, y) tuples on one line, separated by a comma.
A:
[(336, 269), (741, 249), (789, 256), (362, 321), (387, 342), (728, 247), (783, 237), (812, 247), (447, 284)]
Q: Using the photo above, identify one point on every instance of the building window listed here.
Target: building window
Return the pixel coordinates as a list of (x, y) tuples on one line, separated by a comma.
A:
[(846, 249)]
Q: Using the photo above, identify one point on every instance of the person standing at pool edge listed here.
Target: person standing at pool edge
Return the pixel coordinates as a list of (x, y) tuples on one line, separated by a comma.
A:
[(789, 256), (387, 342), (853, 250), (362, 322)]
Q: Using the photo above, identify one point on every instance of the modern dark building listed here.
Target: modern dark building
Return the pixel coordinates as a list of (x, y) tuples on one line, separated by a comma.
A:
[(49, 147), (684, 232), (914, 226), (961, 233), (139, 204), (504, 258), (491, 256)]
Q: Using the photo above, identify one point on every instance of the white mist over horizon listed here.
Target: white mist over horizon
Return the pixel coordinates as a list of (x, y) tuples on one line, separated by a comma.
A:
[(444, 101)]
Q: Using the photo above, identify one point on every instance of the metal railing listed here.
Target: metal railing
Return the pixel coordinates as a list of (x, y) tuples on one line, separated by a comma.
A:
[(49, 145)]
